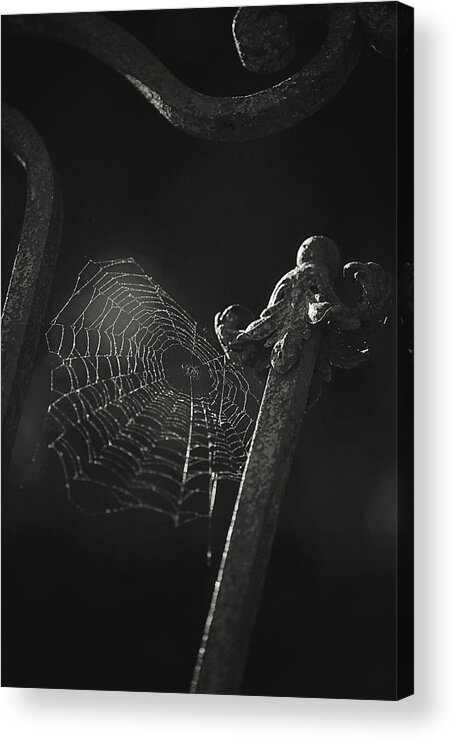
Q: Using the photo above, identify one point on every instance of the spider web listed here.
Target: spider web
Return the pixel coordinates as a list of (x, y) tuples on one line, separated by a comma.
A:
[(146, 412)]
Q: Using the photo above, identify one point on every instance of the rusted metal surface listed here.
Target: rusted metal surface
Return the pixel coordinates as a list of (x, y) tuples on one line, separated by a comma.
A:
[(264, 39), (303, 312), (210, 117), (224, 648), (31, 277)]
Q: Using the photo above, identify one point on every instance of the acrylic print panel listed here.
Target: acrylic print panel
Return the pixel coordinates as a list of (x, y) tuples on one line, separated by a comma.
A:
[(207, 350)]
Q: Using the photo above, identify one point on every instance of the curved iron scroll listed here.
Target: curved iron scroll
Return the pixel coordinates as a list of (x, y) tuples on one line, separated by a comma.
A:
[(219, 118), (31, 277)]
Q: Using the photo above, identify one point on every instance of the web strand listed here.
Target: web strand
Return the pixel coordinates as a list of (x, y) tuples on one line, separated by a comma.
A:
[(146, 413)]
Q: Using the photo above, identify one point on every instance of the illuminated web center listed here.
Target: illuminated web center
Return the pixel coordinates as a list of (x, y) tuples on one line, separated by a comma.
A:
[(192, 371)]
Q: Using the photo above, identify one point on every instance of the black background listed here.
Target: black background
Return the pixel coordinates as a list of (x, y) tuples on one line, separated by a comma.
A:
[(119, 601)]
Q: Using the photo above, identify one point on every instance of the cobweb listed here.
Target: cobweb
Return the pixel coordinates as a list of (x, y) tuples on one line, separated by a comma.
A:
[(146, 413)]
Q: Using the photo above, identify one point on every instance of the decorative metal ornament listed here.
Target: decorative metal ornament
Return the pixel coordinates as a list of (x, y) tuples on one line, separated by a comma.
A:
[(305, 326), (304, 297)]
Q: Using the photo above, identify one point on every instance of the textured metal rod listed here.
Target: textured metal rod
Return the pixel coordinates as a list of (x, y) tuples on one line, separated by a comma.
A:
[(220, 118), (305, 327), (33, 269), (223, 653)]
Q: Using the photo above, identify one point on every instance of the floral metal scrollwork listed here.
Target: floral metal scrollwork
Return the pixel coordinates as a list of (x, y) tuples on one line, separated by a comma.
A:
[(303, 298)]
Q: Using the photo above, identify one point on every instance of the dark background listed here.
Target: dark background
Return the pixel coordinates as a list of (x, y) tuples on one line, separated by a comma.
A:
[(120, 601)]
